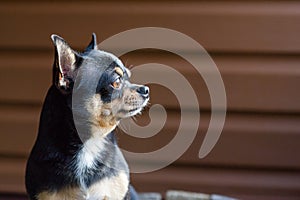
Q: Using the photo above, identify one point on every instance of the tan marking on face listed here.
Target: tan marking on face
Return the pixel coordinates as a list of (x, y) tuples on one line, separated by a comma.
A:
[(100, 116), (106, 116), (107, 121), (119, 71), (103, 116)]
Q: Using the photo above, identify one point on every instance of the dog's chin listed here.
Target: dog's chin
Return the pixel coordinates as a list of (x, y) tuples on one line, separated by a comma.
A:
[(132, 111)]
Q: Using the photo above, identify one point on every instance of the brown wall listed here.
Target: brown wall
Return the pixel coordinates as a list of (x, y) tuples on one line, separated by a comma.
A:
[(255, 45)]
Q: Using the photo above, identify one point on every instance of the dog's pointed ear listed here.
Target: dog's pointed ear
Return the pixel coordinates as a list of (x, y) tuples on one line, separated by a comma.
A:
[(65, 64), (93, 44)]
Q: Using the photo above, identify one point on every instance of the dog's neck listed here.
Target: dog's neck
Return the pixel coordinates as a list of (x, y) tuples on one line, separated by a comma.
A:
[(59, 140), (57, 129), (56, 123)]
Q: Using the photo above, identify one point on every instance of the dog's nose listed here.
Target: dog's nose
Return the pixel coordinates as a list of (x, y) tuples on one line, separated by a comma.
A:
[(144, 91)]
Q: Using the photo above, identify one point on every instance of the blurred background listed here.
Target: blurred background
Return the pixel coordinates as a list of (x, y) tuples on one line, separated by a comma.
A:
[(256, 46)]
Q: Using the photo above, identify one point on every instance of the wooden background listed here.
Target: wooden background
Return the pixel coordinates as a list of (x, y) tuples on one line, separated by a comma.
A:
[(256, 46)]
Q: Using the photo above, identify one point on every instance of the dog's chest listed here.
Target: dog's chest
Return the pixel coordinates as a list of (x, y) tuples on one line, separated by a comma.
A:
[(110, 185), (114, 188), (98, 177)]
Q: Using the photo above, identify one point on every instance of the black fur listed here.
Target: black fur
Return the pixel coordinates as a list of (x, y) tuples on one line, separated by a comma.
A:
[(51, 165)]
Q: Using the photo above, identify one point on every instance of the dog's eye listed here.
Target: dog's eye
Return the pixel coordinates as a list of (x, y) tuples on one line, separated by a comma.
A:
[(117, 83)]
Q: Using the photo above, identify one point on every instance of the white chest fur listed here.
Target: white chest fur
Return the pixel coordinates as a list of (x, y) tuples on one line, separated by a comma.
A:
[(113, 188)]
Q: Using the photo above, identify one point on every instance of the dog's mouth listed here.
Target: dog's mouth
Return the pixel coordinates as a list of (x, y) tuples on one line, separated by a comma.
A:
[(123, 111), (133, 109), (131, 112)]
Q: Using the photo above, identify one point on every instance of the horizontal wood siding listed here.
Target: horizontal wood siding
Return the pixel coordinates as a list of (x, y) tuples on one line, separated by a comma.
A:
[(254, 44), (218, 26)]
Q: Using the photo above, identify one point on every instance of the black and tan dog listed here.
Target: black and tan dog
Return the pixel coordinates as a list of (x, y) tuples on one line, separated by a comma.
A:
[(76, 155)]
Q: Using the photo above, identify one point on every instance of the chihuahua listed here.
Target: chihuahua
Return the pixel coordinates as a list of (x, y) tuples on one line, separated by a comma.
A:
[(76, 156)]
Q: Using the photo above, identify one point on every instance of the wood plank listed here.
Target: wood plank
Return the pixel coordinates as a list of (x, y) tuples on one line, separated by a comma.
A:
[(260, 141), (233, 26), (242, 184), (12, 175), (27, 78), (252, 83), (253, 141), (19, 127), (257, 141)]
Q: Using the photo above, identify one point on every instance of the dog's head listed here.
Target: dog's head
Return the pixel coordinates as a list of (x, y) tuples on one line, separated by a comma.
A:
[(98, 84)]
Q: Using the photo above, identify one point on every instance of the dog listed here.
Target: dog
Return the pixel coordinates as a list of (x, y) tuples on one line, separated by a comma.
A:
[(75, 156)]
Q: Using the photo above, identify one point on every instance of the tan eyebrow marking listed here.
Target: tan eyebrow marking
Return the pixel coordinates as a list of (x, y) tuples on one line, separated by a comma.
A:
[(119, 71)]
